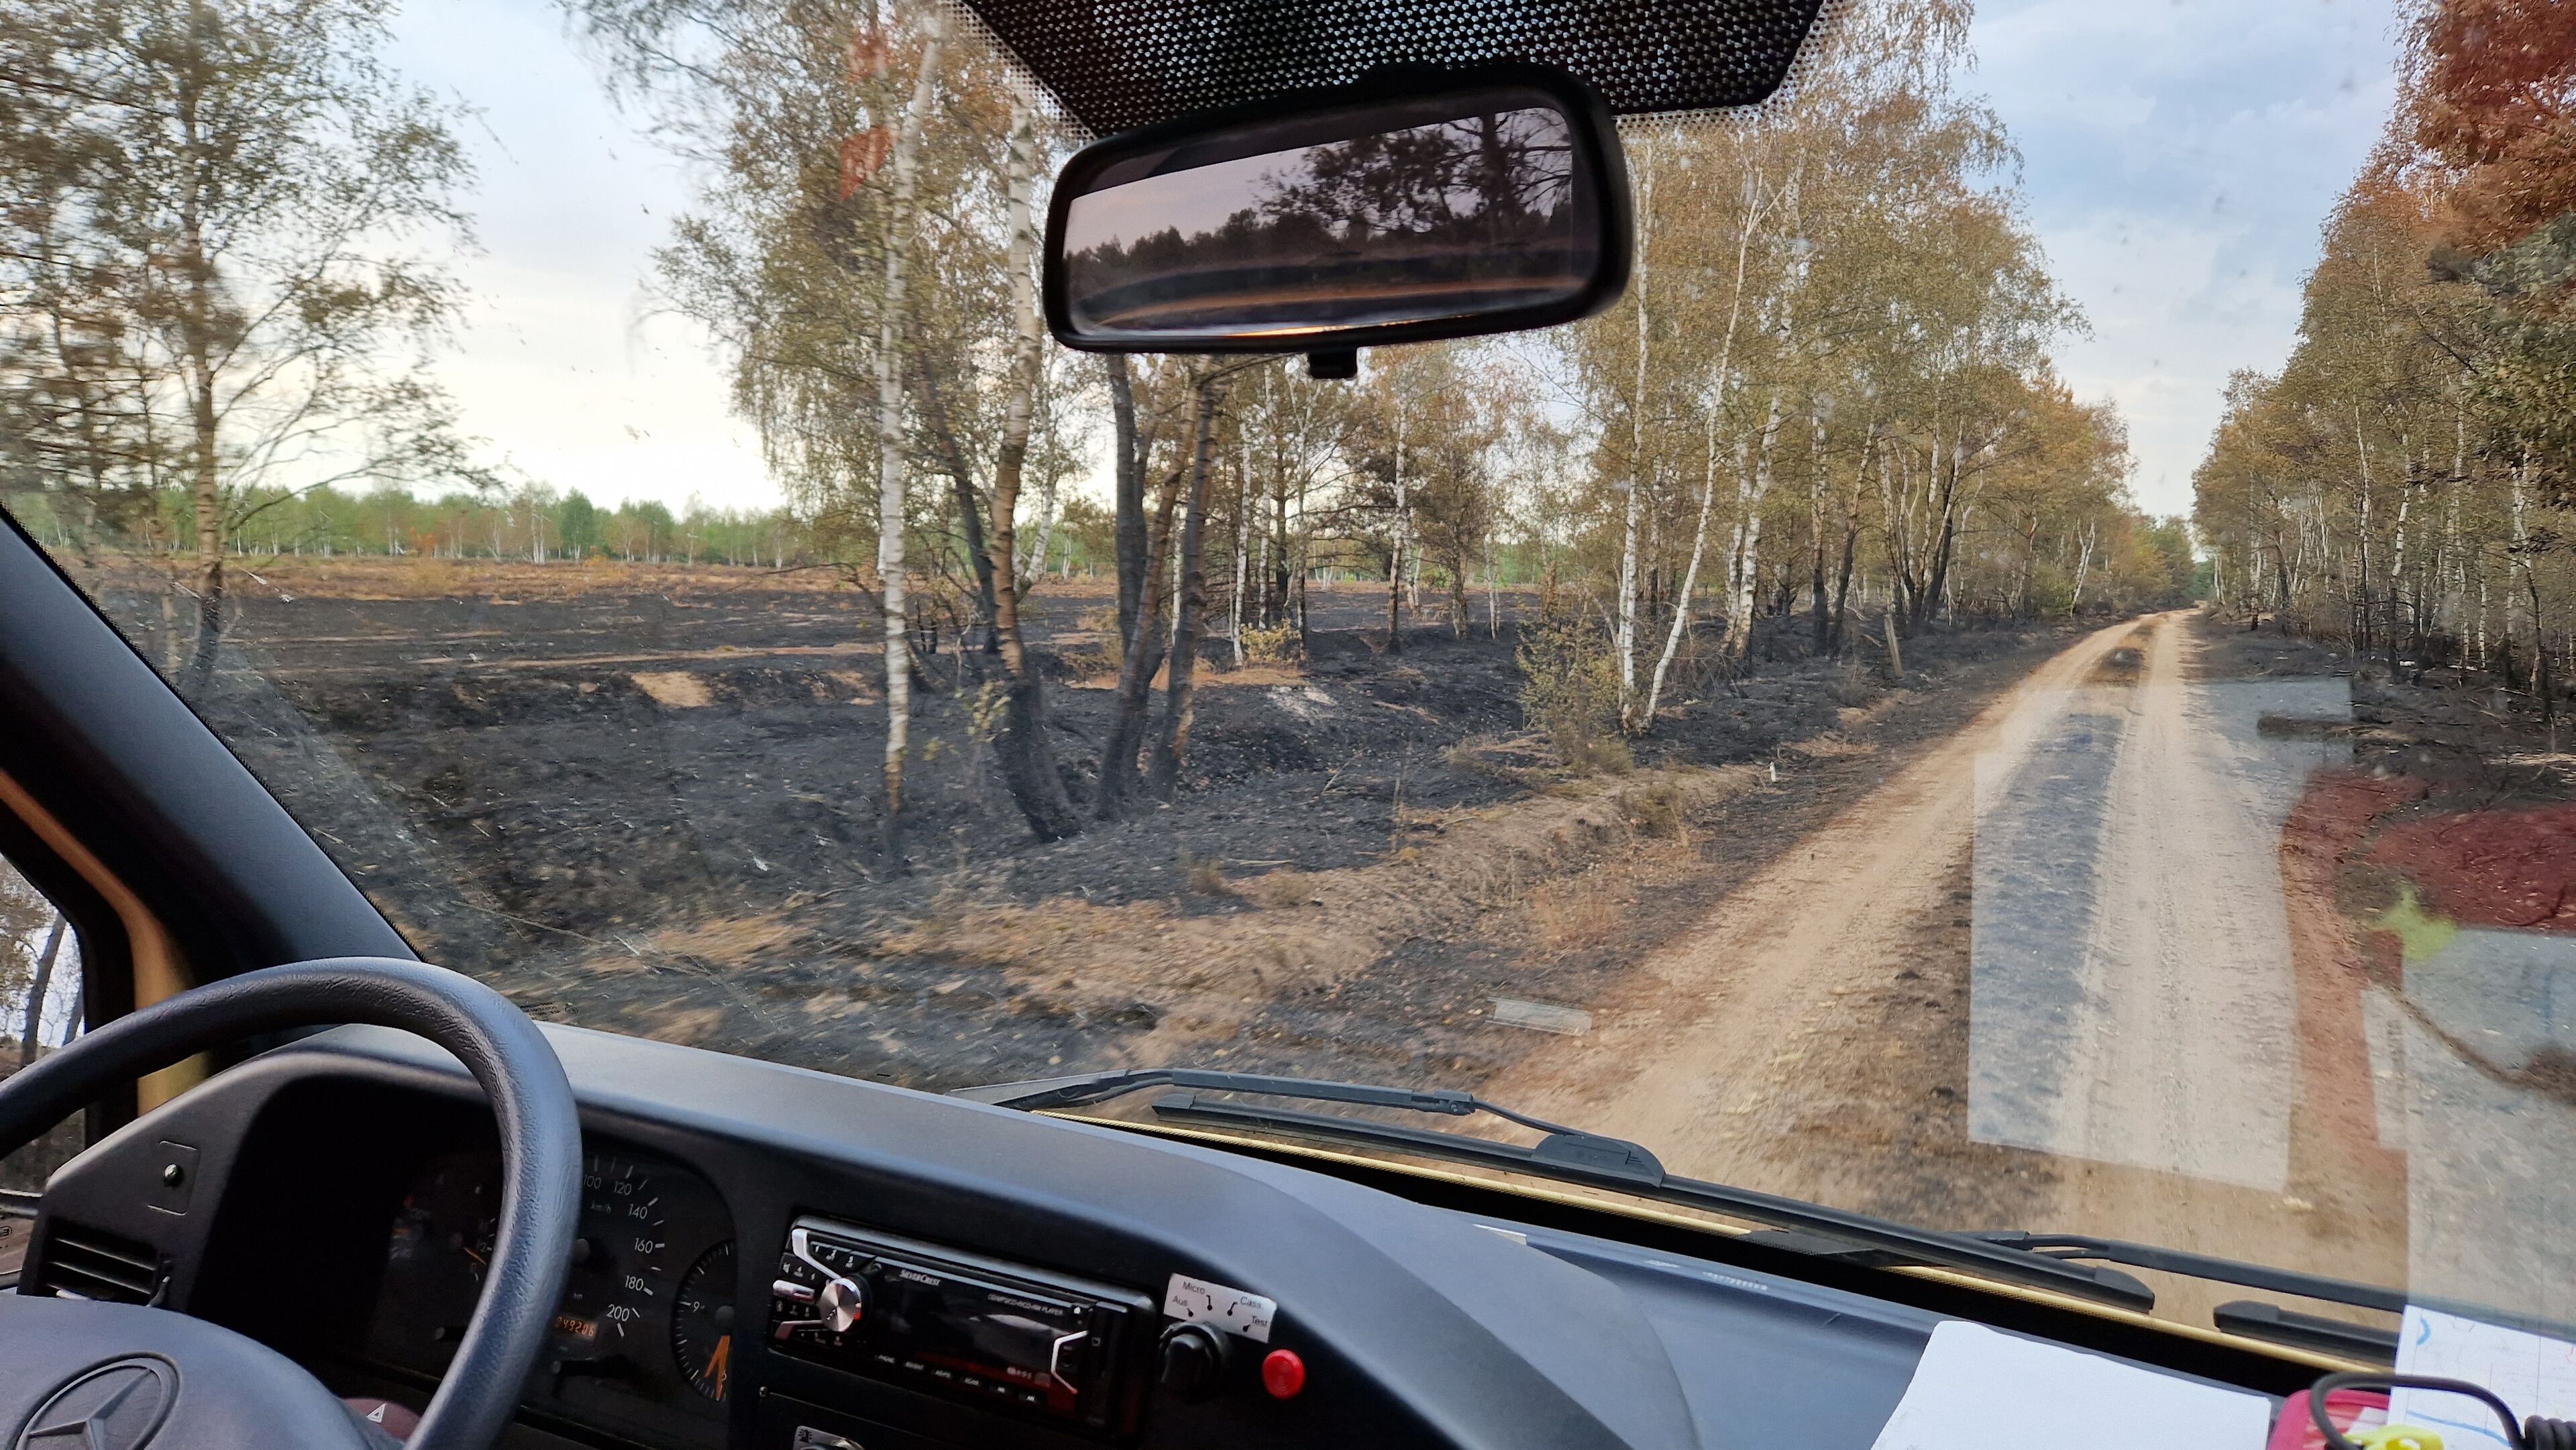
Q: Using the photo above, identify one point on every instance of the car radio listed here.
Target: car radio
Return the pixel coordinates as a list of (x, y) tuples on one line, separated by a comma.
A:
[(952, 1324)]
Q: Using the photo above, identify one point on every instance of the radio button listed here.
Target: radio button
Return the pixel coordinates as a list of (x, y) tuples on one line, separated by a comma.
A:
[(843, 1303), (790, 1289)]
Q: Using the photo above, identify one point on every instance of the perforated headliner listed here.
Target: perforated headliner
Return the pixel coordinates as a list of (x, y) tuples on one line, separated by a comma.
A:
[(1119, 64)]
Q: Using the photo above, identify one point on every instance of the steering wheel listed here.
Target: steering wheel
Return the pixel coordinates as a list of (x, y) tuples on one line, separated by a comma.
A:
[(99, 1374)]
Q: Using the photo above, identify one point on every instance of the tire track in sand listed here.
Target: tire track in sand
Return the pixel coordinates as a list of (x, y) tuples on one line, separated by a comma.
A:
[(1734, 1054), (1697, 1055)]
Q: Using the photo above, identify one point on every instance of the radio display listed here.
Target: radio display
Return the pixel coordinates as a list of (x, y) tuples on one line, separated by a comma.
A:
[(988, 1332), (983, 1331)]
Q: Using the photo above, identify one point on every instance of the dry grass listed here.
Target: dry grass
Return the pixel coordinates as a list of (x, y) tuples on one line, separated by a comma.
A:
[(1830, 746), (1205, 878), (1198, 978), (687, 1026), (1657, 811), (1475, 756), (1851, 716), (1278, 889), (677, 689), (737, 941), (1276, 645), (1572, 914), (1100, 672), (1595, 754)]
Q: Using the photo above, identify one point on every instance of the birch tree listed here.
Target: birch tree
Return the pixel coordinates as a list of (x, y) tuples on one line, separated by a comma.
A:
[(226, 270), (892, 465)]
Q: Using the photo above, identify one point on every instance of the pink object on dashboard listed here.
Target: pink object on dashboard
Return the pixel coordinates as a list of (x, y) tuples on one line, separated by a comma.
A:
[(2295, 1429)]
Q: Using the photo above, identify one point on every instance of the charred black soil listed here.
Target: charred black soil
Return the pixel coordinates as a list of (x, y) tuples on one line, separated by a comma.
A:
[(646, 800)]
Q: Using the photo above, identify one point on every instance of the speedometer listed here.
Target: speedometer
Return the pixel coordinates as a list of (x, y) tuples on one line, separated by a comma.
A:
[(623, 1278), (644, 1327)]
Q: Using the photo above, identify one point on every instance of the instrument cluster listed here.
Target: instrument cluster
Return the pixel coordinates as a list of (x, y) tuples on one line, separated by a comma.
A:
[(646, 1324)]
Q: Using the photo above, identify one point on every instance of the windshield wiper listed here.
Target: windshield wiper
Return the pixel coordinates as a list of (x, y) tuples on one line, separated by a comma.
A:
[(1573, 1155), (2202, 1266), (1616, 1157), (2269, 1321)]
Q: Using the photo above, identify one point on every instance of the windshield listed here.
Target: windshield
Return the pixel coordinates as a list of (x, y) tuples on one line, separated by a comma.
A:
[(2014, 682)]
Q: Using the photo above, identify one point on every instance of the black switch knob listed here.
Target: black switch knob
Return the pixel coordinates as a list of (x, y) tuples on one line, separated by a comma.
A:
[(1193, 1361)]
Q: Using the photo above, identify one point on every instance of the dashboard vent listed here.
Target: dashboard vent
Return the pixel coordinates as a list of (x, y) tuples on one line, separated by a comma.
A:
[(84, 1263)]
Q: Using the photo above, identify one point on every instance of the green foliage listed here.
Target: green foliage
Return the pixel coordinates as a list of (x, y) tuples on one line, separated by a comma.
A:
[(220, 257), (1570, 692), (532, 525)]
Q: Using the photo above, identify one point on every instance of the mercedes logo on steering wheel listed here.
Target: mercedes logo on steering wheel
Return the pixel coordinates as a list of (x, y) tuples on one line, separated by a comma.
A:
[(116, 1406)]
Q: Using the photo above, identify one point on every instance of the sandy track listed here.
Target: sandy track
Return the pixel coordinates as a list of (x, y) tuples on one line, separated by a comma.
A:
[(1700, 1055), (2132, 1063)]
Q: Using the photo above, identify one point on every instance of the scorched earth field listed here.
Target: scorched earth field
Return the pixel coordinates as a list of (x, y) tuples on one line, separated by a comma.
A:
[(643, 798)]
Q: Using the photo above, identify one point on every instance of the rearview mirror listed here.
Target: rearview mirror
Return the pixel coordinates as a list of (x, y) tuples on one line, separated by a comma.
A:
[(1413, 206)]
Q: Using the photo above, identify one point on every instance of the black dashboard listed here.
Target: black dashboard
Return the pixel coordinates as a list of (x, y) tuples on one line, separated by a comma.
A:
[(781, 1259)]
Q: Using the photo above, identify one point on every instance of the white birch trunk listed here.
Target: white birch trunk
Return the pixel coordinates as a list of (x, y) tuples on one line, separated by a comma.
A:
[(1754, 206), (890, 460), (1753, 487), (1493, 602), (1626, 635), (1403, 539), (1242, 543)]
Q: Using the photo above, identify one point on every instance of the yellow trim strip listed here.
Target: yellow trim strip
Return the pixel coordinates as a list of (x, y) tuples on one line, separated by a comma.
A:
[(159, 971), (1609, 1201)]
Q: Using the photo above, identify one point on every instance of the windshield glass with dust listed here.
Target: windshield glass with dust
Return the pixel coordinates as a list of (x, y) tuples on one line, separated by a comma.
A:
[(2015, 681)]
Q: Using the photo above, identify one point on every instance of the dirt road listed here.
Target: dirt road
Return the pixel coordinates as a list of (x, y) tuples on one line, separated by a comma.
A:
[(1703, 1053), (2039, 979)]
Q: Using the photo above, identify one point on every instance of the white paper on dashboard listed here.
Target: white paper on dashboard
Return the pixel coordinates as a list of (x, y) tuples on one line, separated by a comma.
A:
[(1977, 1389), (2536, 1376)]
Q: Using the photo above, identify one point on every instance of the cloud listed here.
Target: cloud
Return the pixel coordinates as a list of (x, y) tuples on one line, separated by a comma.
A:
[(2178, 161), (561, 363)]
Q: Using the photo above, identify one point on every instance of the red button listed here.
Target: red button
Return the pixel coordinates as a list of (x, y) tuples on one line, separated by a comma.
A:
[(1283, 1373)]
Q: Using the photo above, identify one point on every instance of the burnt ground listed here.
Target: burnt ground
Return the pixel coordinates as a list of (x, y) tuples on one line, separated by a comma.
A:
[(2457, 790), (644, 800)]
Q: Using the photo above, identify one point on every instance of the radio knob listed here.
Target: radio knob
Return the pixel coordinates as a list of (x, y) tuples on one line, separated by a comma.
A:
[(1193, 1361), (842, 1304)]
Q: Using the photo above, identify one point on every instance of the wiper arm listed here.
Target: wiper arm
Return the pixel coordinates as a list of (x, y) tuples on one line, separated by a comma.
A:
[(2072, 1247), (2253, 1318), (1099, 1087), (1570, 1154), (1616, 1157), (2270, 1321)]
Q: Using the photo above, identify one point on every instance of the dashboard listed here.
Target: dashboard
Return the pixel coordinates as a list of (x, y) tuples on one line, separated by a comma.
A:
[(644, 1332), (778, 1259)]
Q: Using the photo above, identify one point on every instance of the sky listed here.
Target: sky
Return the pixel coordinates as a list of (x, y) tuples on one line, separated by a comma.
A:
[(566, 365), (2178, 156)]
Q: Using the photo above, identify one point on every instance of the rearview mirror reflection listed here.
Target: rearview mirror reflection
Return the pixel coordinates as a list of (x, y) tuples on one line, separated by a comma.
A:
[(1480, 208)]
